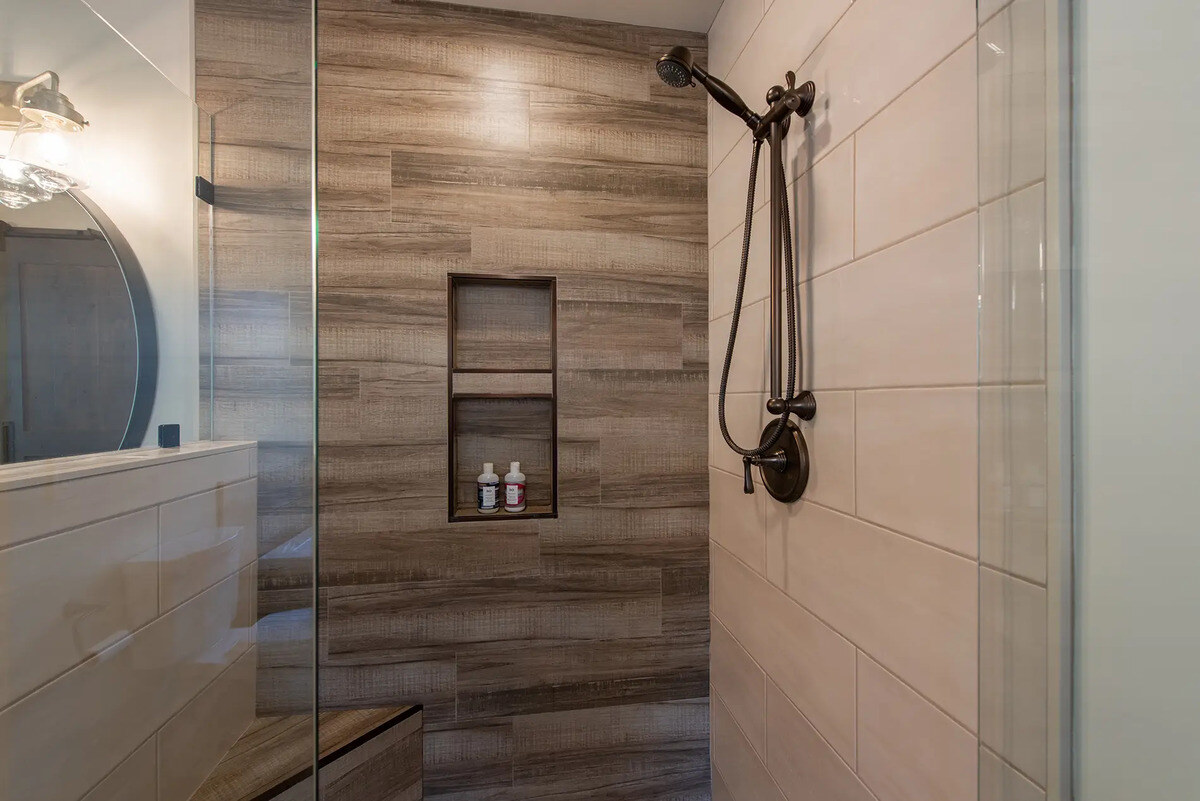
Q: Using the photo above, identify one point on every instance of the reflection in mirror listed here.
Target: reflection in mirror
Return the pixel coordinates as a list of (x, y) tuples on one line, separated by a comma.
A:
[(77, 333)]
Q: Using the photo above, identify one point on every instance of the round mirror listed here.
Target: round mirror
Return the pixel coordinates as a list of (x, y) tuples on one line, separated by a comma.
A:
[(77, 335)]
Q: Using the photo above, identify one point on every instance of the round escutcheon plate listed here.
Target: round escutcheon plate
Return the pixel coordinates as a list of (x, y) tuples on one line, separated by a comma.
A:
[(787, 486)]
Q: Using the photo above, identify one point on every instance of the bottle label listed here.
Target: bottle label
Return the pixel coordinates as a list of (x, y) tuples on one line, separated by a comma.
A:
[(514, 494), (487, 496)]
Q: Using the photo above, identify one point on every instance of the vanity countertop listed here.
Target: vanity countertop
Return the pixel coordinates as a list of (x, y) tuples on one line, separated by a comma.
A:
[(45, 471)]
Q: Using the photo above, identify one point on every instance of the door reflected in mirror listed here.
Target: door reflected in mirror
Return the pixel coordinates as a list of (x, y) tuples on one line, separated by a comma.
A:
[(76, 334)]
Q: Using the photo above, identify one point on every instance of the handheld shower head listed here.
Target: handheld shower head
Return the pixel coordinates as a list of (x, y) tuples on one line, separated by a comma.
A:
[(677, 68)]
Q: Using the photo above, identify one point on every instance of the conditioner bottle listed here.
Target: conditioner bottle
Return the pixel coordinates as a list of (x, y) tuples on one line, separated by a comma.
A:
[(514, 489)]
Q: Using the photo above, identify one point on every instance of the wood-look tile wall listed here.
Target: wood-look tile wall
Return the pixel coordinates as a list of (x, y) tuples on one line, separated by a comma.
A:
[(561, 658)]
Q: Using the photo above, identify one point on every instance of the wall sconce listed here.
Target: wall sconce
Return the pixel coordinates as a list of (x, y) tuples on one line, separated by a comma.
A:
[(39, 160)]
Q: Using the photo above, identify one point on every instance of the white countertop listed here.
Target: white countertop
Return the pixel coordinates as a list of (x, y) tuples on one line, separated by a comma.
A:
[(45, 471)]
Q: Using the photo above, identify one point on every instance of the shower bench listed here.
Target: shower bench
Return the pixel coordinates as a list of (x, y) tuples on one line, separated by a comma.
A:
[(365, 755)]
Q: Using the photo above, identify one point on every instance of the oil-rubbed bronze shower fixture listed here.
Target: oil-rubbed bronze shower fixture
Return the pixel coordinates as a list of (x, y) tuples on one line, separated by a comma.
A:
[(782, 454)]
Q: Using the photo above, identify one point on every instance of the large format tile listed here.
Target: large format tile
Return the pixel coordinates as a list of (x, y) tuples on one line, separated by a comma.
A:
[(745, 416), (741, 769), (1012, 98), (877, 50), (822, 201), (1000, 782), (1013, 481), (811, 662), (465, 190), (135, 779), (192, 742), (576, 753), (749, 370), (78, 592), (46, 508), (592, 265), (725, 262), (830, 437), (582, 126), (908, 750), (909, 605), (574, 605), (801, 761), (906, 316), (720, 790), (731, 29), (619, 336), (728, 188), (1012, 312), (741, 684), (426, 110), (786, 36), (916, 454), (916, 163), (204, 538), (737, 521), (69, 734), (1014, 671), (511, 678), (469, 758)]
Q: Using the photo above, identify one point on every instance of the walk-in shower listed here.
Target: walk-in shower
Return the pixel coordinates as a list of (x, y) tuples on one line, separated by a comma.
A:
[(782, 453)]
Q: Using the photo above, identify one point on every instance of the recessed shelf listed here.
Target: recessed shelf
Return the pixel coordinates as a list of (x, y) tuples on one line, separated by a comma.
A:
[(502, 391), (501, 324), (470, 513), (528, 384), (497, 371)]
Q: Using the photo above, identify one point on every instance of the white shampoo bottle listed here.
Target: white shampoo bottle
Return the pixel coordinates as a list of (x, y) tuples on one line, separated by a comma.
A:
[(514, 489), (488, 490)]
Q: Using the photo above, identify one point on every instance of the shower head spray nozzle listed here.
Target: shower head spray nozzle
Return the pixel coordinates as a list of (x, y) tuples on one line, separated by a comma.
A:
[(675, 68)]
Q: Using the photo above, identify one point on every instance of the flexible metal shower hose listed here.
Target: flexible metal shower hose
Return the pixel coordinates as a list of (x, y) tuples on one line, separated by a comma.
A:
[(793, 342)]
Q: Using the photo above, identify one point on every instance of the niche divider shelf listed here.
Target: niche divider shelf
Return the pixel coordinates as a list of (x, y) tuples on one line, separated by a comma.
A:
[(502, 390)]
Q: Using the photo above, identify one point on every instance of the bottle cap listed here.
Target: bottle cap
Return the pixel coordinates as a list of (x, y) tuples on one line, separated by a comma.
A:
[(514, 467), (487, 467)]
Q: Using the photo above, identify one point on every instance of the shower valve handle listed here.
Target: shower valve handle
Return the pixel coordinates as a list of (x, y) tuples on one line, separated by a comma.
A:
[(748, 477), (777, 461)]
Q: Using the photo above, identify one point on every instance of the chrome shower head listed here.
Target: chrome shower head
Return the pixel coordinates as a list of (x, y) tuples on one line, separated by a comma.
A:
[(675, 68)]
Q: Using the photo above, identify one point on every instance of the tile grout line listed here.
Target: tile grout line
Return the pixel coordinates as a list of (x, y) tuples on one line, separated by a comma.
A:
[(839, 633), (129, 513), (800, 67), (769, 680), (1006, 573), (858, 259), (880, 526), (120, 643), (983, 746), (833, 145)]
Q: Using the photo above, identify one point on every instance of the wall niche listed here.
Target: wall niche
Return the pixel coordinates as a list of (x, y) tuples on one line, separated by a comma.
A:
[(502, 383)]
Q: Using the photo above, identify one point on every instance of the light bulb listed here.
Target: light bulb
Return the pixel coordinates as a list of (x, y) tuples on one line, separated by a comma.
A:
[(50, 154)]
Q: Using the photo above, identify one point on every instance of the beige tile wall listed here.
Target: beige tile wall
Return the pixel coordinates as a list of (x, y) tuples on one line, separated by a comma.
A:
[(846, 627), (127, 640)]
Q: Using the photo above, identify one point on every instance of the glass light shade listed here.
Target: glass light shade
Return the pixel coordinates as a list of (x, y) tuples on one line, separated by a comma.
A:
[(51, 155), (17, 187)]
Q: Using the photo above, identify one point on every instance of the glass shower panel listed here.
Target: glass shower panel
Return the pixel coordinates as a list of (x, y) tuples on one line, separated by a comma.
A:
[(254, 73), (1023, 486), (156, 603)]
